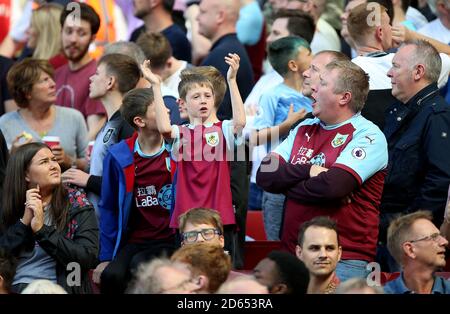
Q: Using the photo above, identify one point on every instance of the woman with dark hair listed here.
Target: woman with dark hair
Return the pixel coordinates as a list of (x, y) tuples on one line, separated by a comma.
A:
[(31, 84), (50, 228)]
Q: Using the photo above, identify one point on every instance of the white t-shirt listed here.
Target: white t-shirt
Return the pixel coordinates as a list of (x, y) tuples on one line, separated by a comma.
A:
[(436, 30), (171, 83), (417, 18), (325, 38), (377, 68)]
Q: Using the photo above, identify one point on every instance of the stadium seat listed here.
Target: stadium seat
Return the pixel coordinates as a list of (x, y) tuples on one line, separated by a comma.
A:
[(255, 225), (386, 277), (443, 274), (257, 250)]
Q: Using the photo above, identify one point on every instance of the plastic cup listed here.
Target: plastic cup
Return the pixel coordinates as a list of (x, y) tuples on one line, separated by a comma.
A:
[(51, 141)]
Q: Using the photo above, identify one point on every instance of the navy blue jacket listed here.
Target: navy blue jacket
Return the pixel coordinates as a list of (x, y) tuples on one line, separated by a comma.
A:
[(419, 149)]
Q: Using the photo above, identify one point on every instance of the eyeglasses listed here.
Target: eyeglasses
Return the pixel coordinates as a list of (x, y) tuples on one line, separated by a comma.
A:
[(435, 237), (207, 234)]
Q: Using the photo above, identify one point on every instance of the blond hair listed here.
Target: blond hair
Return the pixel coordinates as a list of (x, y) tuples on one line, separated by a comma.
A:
[(45, 21)]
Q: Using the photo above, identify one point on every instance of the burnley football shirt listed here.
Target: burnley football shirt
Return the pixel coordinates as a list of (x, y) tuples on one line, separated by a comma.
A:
[(357, 146)]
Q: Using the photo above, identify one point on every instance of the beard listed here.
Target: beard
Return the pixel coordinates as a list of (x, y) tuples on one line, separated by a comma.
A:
[(78, 54), (140, 14)]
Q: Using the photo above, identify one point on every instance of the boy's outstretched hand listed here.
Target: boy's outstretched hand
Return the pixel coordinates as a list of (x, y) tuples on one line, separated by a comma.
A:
[(233, 61), (148, 74)]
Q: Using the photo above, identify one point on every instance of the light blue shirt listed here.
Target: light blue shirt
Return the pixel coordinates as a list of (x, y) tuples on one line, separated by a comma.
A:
[(274, 106), (250, 24), (397, 286)]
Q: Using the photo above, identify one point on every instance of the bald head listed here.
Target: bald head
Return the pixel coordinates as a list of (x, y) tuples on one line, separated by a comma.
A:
[(243, 285), (218, 18), (231, 7)]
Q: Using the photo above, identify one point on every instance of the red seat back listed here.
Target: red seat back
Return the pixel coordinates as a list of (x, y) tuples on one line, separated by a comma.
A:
[(257, 250), (255, 226), (386, 277)]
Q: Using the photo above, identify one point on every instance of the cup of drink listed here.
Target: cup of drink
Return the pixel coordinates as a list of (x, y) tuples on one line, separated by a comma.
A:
[(51, 141), (90, 147)]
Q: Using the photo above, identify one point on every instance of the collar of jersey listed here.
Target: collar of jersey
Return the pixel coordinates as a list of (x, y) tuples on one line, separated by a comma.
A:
[(137, 149), (335, 126)]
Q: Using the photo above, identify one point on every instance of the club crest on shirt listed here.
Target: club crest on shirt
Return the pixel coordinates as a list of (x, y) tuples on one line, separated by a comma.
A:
[(358, 153), (212, 139), (339, 140), (165, 196), (107, 135)]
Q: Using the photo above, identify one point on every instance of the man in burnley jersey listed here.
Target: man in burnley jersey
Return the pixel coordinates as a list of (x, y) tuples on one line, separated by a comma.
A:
[(333, 165)]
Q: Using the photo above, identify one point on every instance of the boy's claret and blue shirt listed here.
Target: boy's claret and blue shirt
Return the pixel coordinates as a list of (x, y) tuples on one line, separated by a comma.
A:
[(203, 168), (135, 203)]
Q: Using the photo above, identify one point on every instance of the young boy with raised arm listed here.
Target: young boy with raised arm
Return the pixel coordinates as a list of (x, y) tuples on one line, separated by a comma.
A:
[(202, 149)]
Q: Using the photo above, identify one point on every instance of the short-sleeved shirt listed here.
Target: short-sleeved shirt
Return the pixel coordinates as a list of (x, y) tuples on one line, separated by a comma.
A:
[(181, 47), (274, 107), (203, 170), (152, 196), (356, 146), (72, 89), (398, 286), (69, 126)]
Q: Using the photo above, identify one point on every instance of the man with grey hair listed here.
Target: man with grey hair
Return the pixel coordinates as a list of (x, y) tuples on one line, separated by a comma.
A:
[(332, 166), (372, 41), (163, 276), (418, 134), (417, 245)]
